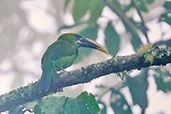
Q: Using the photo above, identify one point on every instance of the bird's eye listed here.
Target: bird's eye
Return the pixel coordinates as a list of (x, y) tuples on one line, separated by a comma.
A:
[(80, 41)]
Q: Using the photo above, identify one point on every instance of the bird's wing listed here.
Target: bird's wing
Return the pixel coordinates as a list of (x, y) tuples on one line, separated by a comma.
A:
[(64, 55), (59, 55), (63, 49)]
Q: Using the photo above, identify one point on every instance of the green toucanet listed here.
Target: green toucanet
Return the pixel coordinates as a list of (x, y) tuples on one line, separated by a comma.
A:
[(61, 54)]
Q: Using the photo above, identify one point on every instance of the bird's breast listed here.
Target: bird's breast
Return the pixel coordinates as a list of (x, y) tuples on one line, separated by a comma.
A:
[(64, 62)]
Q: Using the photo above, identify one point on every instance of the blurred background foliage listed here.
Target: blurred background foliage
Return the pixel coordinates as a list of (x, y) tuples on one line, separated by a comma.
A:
[(27, 27)]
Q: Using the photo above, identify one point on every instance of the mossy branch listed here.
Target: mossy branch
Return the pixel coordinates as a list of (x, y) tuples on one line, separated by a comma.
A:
[(161, 56)]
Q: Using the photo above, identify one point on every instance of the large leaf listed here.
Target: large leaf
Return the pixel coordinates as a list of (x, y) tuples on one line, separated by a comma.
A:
[(163, 80), (80, 8), (167, 6), (112, 39), (96, 8), (91, 33), (51, 105), (138, 87), (136, 42), (119, 103), (83, 104), (135, 39), (90, 102)]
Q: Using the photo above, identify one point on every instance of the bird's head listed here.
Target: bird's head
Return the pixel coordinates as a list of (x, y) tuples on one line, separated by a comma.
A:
[(83, 42)]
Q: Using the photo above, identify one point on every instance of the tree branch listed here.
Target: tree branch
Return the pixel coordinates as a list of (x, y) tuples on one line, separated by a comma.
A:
[(13, 99)]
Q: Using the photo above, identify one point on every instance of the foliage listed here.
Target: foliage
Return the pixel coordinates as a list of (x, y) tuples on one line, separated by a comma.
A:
[(119, 103), (85, 103), (166, 15), (93, 6), (162, 79), (112, 39), (138, 92), (137, 85), (89, 12)]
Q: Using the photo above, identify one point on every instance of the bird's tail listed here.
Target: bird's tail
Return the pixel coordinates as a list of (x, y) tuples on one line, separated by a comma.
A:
[(43, 84)]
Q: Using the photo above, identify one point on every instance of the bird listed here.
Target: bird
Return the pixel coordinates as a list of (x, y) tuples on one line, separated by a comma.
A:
[(62, 54)]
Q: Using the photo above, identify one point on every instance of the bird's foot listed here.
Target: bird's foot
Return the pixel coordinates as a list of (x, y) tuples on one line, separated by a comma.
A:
[(60, 90), (61, 71)]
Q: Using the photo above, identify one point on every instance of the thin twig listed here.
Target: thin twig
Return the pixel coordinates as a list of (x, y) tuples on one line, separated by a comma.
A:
[(144, 31), (123, 18)]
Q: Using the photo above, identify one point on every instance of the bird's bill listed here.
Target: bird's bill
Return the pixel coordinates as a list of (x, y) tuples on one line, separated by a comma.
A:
[(85, 42)]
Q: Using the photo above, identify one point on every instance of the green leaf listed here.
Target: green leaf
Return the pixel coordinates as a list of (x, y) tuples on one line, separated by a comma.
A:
[(167, 5), (119, 103), (166, 17), (76, 107), (149, 1), (80, 8), (91, 33), (90, 102), (112, 39), (96, 8), (163, 80), (142, 5), (135, 39), (83, 104), (163, 85), (116, 3), (50, 105), (138, 87)]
